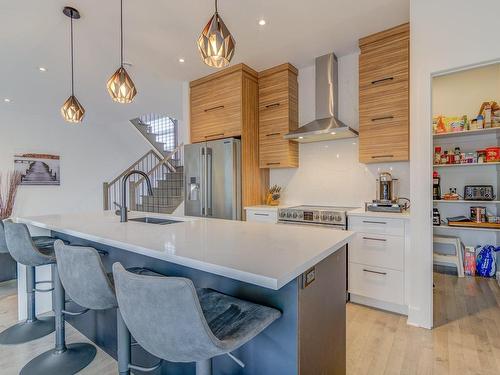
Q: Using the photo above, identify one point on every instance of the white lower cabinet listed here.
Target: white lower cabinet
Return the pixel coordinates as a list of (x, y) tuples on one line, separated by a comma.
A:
[(377, 262), (262, 214), (376, 282)]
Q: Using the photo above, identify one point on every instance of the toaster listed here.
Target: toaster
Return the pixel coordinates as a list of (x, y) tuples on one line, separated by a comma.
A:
[(479, 193)]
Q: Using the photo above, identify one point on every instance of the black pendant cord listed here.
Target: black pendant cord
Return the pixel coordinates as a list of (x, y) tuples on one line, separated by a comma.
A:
[(72, 58), (216, 7), (121, 33)]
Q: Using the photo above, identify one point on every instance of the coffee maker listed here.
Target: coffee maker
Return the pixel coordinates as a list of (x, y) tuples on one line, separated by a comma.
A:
[(387, 195)]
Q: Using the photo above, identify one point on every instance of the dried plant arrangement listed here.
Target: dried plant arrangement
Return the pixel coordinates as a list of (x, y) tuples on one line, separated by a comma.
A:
[(8, 193)]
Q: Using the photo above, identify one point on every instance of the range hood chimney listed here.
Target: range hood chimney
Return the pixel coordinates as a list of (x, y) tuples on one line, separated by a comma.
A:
[(327, 126)]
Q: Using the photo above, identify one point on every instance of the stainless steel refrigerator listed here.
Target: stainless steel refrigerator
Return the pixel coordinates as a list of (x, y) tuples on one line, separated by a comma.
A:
[(212, 173)]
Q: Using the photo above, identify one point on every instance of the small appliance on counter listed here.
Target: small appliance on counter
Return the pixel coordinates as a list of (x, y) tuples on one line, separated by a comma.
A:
[(387, 196)]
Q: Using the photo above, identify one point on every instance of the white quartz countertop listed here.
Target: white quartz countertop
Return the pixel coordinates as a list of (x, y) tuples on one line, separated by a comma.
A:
[(268, 255), (395, 215)]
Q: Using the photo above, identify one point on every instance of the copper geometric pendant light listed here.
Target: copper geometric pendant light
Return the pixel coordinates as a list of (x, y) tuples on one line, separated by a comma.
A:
[(216, 44), (72, 110), (120, 86)]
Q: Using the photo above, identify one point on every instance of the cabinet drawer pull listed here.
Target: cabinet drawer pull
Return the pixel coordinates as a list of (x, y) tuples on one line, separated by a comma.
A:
[(272, 105), (382, 118), (382, 80), (274, 163), (272, 134), (214, 108), (375, 239), (257, 214), (377, 272), (374, 222), (214, 135), (382, 156)]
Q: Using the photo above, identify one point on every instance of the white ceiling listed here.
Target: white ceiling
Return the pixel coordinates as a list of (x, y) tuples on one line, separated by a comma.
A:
[(157, 33)]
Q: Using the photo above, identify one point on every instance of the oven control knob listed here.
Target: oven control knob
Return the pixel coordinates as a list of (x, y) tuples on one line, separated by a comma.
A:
[(316, 217), (301, 215), (330, 217), (338, 218), (288, 214), (282, 213), (295, 215), (324, 217)]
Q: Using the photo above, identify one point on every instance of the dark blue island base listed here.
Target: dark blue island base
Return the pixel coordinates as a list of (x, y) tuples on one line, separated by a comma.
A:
[(309, 338)]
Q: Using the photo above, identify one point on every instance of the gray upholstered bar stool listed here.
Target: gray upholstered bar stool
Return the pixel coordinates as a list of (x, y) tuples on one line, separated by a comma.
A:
[(173, 321), (86, 282), (31, 252), (62, 360)]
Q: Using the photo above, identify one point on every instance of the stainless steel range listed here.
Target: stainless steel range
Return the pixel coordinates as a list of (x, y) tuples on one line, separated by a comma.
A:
[(333, 217)]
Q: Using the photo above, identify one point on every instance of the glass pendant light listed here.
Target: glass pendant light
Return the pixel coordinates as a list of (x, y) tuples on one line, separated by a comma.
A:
[(216, 44), (72, 110), (121, 88)]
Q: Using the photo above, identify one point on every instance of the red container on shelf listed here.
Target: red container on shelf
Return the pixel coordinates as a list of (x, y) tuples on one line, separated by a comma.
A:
[(493, 154)]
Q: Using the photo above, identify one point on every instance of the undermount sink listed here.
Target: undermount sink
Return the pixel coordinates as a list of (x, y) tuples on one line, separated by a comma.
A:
[(154, 220)]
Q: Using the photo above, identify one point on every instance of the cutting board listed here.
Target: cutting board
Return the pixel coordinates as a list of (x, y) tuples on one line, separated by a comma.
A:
[(473, 224)]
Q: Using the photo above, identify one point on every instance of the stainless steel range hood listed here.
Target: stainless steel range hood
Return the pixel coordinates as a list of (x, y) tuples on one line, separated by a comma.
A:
[(327, 126)]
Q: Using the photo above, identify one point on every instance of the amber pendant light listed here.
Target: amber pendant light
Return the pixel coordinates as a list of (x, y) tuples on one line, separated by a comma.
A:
[(72, 110), (121, 88), (216, 44)]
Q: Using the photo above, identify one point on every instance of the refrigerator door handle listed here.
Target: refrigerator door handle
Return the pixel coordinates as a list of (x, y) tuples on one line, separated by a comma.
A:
[(209, 179), (235, 181), (203, 181)]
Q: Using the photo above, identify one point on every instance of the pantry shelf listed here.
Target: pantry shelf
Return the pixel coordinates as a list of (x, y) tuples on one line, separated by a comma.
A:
[(466, 133), (466, 165), (447, 227), (464, 201)]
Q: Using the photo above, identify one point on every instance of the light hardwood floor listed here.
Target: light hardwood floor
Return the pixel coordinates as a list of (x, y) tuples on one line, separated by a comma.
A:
[(13, 358), (466, 339)]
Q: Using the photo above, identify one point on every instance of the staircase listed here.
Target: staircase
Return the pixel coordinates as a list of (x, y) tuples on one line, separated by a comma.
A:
[(163, 167)]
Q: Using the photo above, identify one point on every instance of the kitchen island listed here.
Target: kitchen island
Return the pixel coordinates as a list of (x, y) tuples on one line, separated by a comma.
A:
[(299, 270)]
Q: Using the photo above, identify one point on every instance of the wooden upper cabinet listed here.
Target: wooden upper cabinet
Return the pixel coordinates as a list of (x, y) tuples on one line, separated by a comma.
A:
[(384, 96), (223, 105), (216, 104), (278, 114)]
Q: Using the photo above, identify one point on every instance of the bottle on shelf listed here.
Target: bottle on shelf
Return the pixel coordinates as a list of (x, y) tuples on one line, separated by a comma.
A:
[(436, 217), (436, 186)]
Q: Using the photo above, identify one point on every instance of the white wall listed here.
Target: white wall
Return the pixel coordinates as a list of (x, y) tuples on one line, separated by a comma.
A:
[(91, 153), (444, 36), (463, 93), (329, 172)]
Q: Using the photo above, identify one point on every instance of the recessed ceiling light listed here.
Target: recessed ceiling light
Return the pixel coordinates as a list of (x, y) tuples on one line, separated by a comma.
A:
[(333, 133), (181, 60), (42, 69), (262, 22), (7, 100), (301, 137)]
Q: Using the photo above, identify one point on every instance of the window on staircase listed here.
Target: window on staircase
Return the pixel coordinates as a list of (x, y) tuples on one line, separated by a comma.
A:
[(164, 127)]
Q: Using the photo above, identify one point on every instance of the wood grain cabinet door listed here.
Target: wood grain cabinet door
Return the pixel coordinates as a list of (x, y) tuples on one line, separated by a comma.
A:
[(278, 113), (216, 108), (384, 96)]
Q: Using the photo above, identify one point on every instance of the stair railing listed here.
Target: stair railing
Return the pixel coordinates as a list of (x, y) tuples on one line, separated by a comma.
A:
[(150, 163), (160, 171)]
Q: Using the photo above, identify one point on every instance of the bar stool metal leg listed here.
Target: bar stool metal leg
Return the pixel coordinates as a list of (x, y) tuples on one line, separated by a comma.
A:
[(123, 343), (204, 367), (32, 328), (63, 359)]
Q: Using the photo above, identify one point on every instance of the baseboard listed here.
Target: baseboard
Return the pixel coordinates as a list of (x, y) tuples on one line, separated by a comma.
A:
[(382, 305)]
